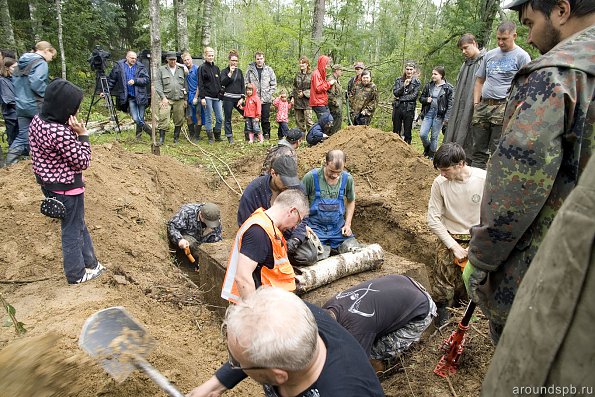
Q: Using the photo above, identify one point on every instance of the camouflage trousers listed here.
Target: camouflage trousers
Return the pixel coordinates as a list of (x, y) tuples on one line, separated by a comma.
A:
[(486, 128), (392, 345), (446, 277)]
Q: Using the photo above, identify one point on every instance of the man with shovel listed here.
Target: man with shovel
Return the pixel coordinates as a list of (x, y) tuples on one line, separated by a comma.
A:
[(193, 225)]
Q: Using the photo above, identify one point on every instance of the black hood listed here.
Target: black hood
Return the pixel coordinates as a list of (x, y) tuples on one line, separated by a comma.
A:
[(62, 100)]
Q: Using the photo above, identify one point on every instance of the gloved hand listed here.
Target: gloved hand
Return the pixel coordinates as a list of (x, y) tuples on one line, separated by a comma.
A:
[(292, 245), (473, 278)]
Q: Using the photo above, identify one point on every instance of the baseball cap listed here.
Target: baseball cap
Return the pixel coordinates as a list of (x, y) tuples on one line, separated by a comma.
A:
[(514, 4), (211, 215), (336, 66), (170, 55), (286, 168), (359, 65), (294, 135)]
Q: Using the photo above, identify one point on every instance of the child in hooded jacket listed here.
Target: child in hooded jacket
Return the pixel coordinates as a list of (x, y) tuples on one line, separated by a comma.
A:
[(252, 107), (283, 106), (60, 151)]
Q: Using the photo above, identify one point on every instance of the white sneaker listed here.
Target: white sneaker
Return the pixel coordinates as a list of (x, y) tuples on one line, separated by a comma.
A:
[(90, 274)]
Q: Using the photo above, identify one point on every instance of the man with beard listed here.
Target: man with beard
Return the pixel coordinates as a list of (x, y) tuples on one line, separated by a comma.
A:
[(546, 142)]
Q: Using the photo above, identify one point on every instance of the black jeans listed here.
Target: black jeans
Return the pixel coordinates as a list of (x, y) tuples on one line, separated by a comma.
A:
[(77, 247), (265, 123), (403, 118), (228, 106)]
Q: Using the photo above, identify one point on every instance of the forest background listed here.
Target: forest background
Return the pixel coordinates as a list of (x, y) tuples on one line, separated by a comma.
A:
[(384, 34)]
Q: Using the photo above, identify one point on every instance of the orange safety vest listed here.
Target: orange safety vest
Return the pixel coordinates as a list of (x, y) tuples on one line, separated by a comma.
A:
[(281, 275)]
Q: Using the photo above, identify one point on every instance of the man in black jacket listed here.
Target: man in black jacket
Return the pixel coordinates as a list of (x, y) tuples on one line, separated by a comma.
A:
[(129, 81), (406, 89)]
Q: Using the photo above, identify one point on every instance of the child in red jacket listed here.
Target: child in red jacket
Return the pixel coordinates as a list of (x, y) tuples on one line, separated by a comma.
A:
[(283, 106), (252, 107)]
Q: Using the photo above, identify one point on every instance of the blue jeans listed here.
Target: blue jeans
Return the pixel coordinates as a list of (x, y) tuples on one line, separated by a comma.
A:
[(137, 112), (228, 106), (320, 111), (213, 105), (433, 122), (20, 145), (77, 247)]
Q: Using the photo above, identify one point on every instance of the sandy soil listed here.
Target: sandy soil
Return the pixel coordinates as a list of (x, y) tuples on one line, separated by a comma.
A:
[(129, 198)]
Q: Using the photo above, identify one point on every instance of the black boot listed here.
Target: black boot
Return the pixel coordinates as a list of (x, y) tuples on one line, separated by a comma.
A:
[(431, 155), (210, 135), (426, 150), (230, 139), (147, 129), (139, 132), (217, 134), (191, 132), (246, 136), (198, 129), (443, 314), (177, 134), (161, 137)]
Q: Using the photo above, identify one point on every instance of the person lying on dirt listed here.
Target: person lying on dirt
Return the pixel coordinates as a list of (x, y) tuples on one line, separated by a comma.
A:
[(453, 208), (285, 147), (193, 225), (331, 192), (262, 192), (259, 253), (292, 348), (60, 151), (386, 316)]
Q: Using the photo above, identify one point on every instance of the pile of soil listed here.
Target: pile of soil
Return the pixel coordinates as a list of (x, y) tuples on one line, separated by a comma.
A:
[(129, 198)]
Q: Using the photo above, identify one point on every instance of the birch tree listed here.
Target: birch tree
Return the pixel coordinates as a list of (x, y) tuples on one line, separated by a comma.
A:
[(8, 36), (182, 23), (317, 25), (206, 22), (60, 37), (155, 63), (35, 23)]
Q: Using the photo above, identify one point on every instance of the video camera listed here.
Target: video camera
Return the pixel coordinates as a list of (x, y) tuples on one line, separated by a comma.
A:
[(98, 60)]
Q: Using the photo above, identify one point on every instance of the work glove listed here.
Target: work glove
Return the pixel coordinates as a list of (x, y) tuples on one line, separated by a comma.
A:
[(292, 245), (473, 278)]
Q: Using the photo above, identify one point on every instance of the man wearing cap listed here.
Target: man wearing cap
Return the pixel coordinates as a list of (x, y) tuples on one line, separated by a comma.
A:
[(171, 88), (406, 90), (193, 225), (331, 193), (262, 192), (285, 147), (335, 99), (259, 254), (546, 142), (492, 82)]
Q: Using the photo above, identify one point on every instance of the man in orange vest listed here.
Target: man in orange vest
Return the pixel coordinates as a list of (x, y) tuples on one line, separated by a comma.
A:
[(259, 254)]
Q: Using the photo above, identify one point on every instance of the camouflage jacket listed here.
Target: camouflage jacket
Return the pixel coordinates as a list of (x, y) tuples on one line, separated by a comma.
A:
[(301, 82), (185, 221), (335, 94), (547, 139), (283, 148), (365, 99)]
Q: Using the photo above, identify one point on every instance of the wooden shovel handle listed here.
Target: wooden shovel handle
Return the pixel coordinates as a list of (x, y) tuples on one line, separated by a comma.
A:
[(189, 255)]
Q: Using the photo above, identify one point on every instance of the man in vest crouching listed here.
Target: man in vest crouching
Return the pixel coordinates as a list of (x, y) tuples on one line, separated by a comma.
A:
[(259, 254)]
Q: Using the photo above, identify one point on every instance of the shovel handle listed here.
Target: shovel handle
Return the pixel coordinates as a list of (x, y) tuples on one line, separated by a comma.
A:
[(157, 377), (189, 255)]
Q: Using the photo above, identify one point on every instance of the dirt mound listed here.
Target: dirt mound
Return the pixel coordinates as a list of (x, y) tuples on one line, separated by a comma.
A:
[(129, 198)]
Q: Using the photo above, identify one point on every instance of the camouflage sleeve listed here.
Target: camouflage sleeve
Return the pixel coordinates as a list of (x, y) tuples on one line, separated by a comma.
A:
[(179, 223), (522, 170)]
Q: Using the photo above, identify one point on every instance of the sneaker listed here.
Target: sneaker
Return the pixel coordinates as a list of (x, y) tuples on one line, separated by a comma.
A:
[(90, 274)]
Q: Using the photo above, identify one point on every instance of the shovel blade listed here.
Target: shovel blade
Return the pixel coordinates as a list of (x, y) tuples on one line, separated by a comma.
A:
[(116, 340)]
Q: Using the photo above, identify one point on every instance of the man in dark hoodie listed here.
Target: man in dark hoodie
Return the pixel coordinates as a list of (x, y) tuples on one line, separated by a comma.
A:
[(546, 142), (30, 82), (60, 151)]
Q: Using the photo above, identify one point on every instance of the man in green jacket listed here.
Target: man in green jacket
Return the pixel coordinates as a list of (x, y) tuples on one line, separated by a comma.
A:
[(172, 89), (546, 142)]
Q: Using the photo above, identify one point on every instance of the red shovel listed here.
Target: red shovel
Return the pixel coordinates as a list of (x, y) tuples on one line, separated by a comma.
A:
[(454, 345)]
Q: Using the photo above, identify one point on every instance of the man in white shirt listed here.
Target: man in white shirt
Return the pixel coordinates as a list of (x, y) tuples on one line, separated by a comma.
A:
[(453, 208)]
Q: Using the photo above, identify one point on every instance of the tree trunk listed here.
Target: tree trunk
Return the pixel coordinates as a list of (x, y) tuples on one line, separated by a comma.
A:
[(60, 39), (198, 24), (182, 23), (35, 24), (487, 14), (8, 36), (206, 23), (317, 26), (155, 63)]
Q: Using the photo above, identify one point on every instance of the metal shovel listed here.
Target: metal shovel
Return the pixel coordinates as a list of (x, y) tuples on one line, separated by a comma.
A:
[(120, 344)]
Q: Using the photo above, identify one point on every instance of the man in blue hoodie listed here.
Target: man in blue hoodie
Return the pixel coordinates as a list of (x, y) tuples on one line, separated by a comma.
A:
[(30, 81)]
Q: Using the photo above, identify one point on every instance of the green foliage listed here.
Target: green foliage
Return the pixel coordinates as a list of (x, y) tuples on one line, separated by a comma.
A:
[(12, 320)]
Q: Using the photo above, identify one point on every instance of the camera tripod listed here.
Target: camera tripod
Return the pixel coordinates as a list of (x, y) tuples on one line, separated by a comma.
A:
[(102, 90)]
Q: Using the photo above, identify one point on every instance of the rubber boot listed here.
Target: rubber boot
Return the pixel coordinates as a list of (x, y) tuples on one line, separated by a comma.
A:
[(197, 130), (250, 137), (230, 139), (246, 136), (177, 134), (139, 132), (191, 132), (217, 134), (426, 150), (210, 135), (260, 138), (161, 137), (431, 155), (147, 129), (443, 314)]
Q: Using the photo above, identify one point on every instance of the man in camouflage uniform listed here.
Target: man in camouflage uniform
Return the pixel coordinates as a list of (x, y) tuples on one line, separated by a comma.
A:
[(546, 142), (365, 100), (335, 99)]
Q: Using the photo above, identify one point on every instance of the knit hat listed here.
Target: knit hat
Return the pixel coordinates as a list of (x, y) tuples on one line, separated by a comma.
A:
[(211, 215)]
